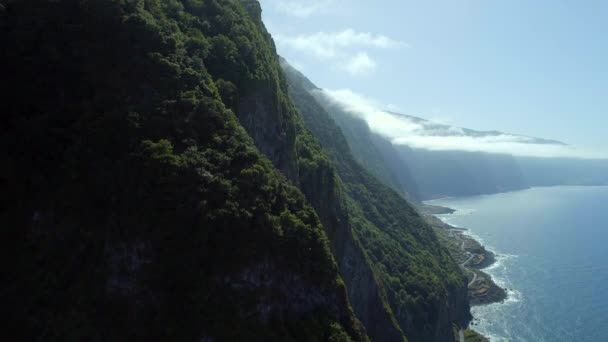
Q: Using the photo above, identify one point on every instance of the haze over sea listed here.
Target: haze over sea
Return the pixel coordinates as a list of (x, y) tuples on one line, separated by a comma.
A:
[(552, 255)]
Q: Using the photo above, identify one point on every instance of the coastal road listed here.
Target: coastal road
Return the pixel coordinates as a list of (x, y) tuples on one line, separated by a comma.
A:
[(464, 264), (471, 256), (473, 280)]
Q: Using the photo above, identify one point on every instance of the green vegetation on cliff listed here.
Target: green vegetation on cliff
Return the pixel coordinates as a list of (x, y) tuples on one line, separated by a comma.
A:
[(421, 286), (153, 157), (139, 206), (372, 151)]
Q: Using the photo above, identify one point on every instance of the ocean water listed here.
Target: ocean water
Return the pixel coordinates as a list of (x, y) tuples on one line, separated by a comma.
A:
[(552, 256)]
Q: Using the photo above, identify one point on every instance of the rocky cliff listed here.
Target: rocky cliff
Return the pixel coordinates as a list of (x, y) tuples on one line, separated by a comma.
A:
[(422, 174), (162, 184), (392, 236), (140, 207), (459, 173)]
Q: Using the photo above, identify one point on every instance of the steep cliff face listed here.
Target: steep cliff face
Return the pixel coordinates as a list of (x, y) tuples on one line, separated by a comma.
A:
[(265, 103), (244, 63), (424, 174), (458, 173), (140, 208), (372, 151), (563, 171), (366, 292), (262, 113), (381, 243), (397, 166), (365, 288)]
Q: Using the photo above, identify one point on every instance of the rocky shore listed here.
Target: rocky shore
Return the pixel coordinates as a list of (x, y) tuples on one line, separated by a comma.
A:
[(472, 257)]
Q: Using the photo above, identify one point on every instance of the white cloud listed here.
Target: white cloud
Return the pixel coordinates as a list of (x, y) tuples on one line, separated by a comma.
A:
[(342, 49), (404, 130), (499, 144), (301, 8), (333, 44), (360, 64), (378, 120)]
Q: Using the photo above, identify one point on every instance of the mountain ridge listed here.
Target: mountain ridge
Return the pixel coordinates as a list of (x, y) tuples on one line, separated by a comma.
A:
[(420, 173), (478, 133), (140, 207), (163, 185), (378, 211)]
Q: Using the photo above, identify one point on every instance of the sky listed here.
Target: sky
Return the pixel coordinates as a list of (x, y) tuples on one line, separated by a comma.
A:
[(536, 68)]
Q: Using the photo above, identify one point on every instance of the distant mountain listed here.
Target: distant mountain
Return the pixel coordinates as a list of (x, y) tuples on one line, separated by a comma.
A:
[(421, 174), (430, 160), (449, 130), (563, 171), (460, 173), (371, 150), (456, 173)]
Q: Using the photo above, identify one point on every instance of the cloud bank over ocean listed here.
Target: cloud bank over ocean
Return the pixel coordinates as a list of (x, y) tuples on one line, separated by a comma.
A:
[(422, 134)]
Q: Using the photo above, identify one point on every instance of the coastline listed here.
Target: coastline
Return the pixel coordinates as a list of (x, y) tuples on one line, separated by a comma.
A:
[(502, 223), (472, 258), (547, 242)]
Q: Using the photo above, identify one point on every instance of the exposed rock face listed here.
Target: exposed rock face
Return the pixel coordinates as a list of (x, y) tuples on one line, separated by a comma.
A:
[(454, 308), (262, 106), (365, 294), (367, 297), (261, 112), (287, 293), (485, 291), (253, 8), (265, 119), (125, 263)]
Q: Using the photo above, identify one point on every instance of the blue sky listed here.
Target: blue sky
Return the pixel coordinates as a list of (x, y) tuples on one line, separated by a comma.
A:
[(537, 68)]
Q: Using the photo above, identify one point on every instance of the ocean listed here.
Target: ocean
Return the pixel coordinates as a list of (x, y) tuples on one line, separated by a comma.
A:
[(552, 256)]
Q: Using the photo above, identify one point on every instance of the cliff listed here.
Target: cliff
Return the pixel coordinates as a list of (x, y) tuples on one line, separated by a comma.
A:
[(139, 207), (460, 173), (423, 301), (421, 174), (374, 152), (161, 184), (563, 171)]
